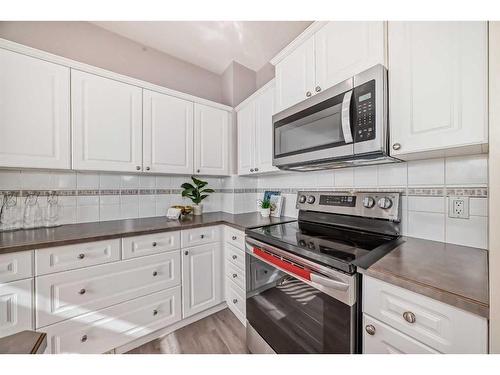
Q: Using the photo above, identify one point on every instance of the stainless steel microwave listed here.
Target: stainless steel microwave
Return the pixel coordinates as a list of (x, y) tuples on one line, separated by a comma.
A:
[(345, 125)]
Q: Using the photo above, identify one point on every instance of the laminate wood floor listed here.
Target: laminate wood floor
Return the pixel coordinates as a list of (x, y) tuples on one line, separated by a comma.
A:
[(220, 333)]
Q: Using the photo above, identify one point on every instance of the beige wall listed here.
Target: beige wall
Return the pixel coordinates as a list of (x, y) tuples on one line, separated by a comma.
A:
[(264, 75), (88, 43), (238, 83), (494, 187)]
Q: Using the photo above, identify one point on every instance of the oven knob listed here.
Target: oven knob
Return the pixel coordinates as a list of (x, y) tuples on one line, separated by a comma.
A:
[(311, 199), (385, 203), (310, 245), (302, 243), (302, 199), (368, 202)]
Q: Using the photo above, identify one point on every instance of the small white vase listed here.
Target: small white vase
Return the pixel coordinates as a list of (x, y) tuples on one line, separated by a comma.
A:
[(197, 209), (265, 212)]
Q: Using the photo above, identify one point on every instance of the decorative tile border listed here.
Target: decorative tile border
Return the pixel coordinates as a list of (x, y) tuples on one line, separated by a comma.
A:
[(480, 192), (426, 191)]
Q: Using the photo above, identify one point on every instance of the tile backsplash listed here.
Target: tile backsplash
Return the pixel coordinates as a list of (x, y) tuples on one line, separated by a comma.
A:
[(424, 184)]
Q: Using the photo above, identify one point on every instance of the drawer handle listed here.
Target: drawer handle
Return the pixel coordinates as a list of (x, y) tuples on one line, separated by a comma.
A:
[(82, 291), (155, 273), (234, 257), (235, 275), (84, 338), (155, 312), (234, 238), (154, 244), (370, 329), (235, 300), (81, 256), (409, 317), (202, 235)]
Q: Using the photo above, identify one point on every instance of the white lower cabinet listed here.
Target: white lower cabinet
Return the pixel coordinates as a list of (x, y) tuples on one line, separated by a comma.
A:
[(442, 327), (236, 301), (103, 330), (201, 278), (234, 270), (16, 307)]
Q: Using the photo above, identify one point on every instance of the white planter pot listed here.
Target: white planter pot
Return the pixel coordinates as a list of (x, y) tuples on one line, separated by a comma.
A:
[(265, 212), (197, 209)]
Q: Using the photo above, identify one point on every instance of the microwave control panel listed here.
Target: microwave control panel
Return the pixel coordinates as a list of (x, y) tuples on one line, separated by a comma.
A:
[(364, 112)]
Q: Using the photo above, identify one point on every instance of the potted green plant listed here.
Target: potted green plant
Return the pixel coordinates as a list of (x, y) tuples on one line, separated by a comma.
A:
[(196, 193), (265, 207)]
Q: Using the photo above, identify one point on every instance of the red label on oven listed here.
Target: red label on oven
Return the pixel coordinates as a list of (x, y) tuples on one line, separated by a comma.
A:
[(295, 270)]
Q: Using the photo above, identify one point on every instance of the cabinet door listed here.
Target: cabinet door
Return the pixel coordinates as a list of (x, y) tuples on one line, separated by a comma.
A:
[(201, 278), (246, 139), (211, 128), (16, 312), (107, 124), (438, 85), (343, 49), (264, 109), (168, 134), (295, 76), (34, 113)]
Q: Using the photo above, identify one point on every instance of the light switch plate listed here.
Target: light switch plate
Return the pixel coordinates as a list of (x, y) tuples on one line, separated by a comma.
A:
[(458, 207)]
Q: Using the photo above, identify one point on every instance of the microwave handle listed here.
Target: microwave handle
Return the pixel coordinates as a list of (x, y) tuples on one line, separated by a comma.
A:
[(345, 117)]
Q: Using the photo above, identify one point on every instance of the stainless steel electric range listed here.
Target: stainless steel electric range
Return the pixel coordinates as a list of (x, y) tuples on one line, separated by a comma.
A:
[(303, 292)]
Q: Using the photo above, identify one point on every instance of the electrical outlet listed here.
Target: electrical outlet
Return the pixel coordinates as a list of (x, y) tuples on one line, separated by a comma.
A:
[(458, 207)]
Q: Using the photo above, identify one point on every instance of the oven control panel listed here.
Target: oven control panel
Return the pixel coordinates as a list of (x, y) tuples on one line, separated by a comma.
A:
[(382, 205), (364, 112)]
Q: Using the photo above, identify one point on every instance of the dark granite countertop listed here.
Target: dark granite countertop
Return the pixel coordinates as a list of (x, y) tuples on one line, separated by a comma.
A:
[(453, 274), (77, 233), (24, 342)]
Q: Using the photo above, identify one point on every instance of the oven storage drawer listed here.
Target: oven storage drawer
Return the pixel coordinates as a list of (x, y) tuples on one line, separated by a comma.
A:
[(200, 236), (235, 256), (68, 294), (235, 298), (383, 339), (235, 237), (64, 258), (103, 330), (133, 247), (235, 274), (16, 266), (442, 327)]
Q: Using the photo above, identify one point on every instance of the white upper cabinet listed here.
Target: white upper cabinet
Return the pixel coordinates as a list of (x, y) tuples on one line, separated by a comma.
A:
[(168, 134), (346, 48), (331, 54), (107, 124), (255, 133), (295, 77), (34, 113), (211, 134), (438, 86)]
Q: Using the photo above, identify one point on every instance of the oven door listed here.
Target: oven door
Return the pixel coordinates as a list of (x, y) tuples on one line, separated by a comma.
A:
[(291, 309), (316, 129)]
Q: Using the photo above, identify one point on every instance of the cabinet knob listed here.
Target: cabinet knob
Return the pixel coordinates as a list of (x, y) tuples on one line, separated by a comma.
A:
[(235, 300), (251, 170), (235, 275), (370, 329), (197, 171), (396, 146), (318, 89), (155, 312), (138, 167), (256, 169), (234, 257), (155, 273), (234, 238), (81, 256), (148, 168), (409, 317), (202, 236), (82, 291), (154, 244), (186, 252), (308, 94), (84, 338)]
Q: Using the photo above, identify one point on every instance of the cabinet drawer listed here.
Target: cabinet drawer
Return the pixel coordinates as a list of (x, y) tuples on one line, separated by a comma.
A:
[(235, 237), (235, 256), (200, 236), (16, 266), (133, 247), (235, 298), (64, 258), (235, 274), (68, 294), (387, 340), (16, 307), (103, 330), (441, 326)]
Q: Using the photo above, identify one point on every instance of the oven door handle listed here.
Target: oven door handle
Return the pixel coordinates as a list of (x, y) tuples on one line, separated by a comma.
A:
[(345, 117), (328, 283)]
